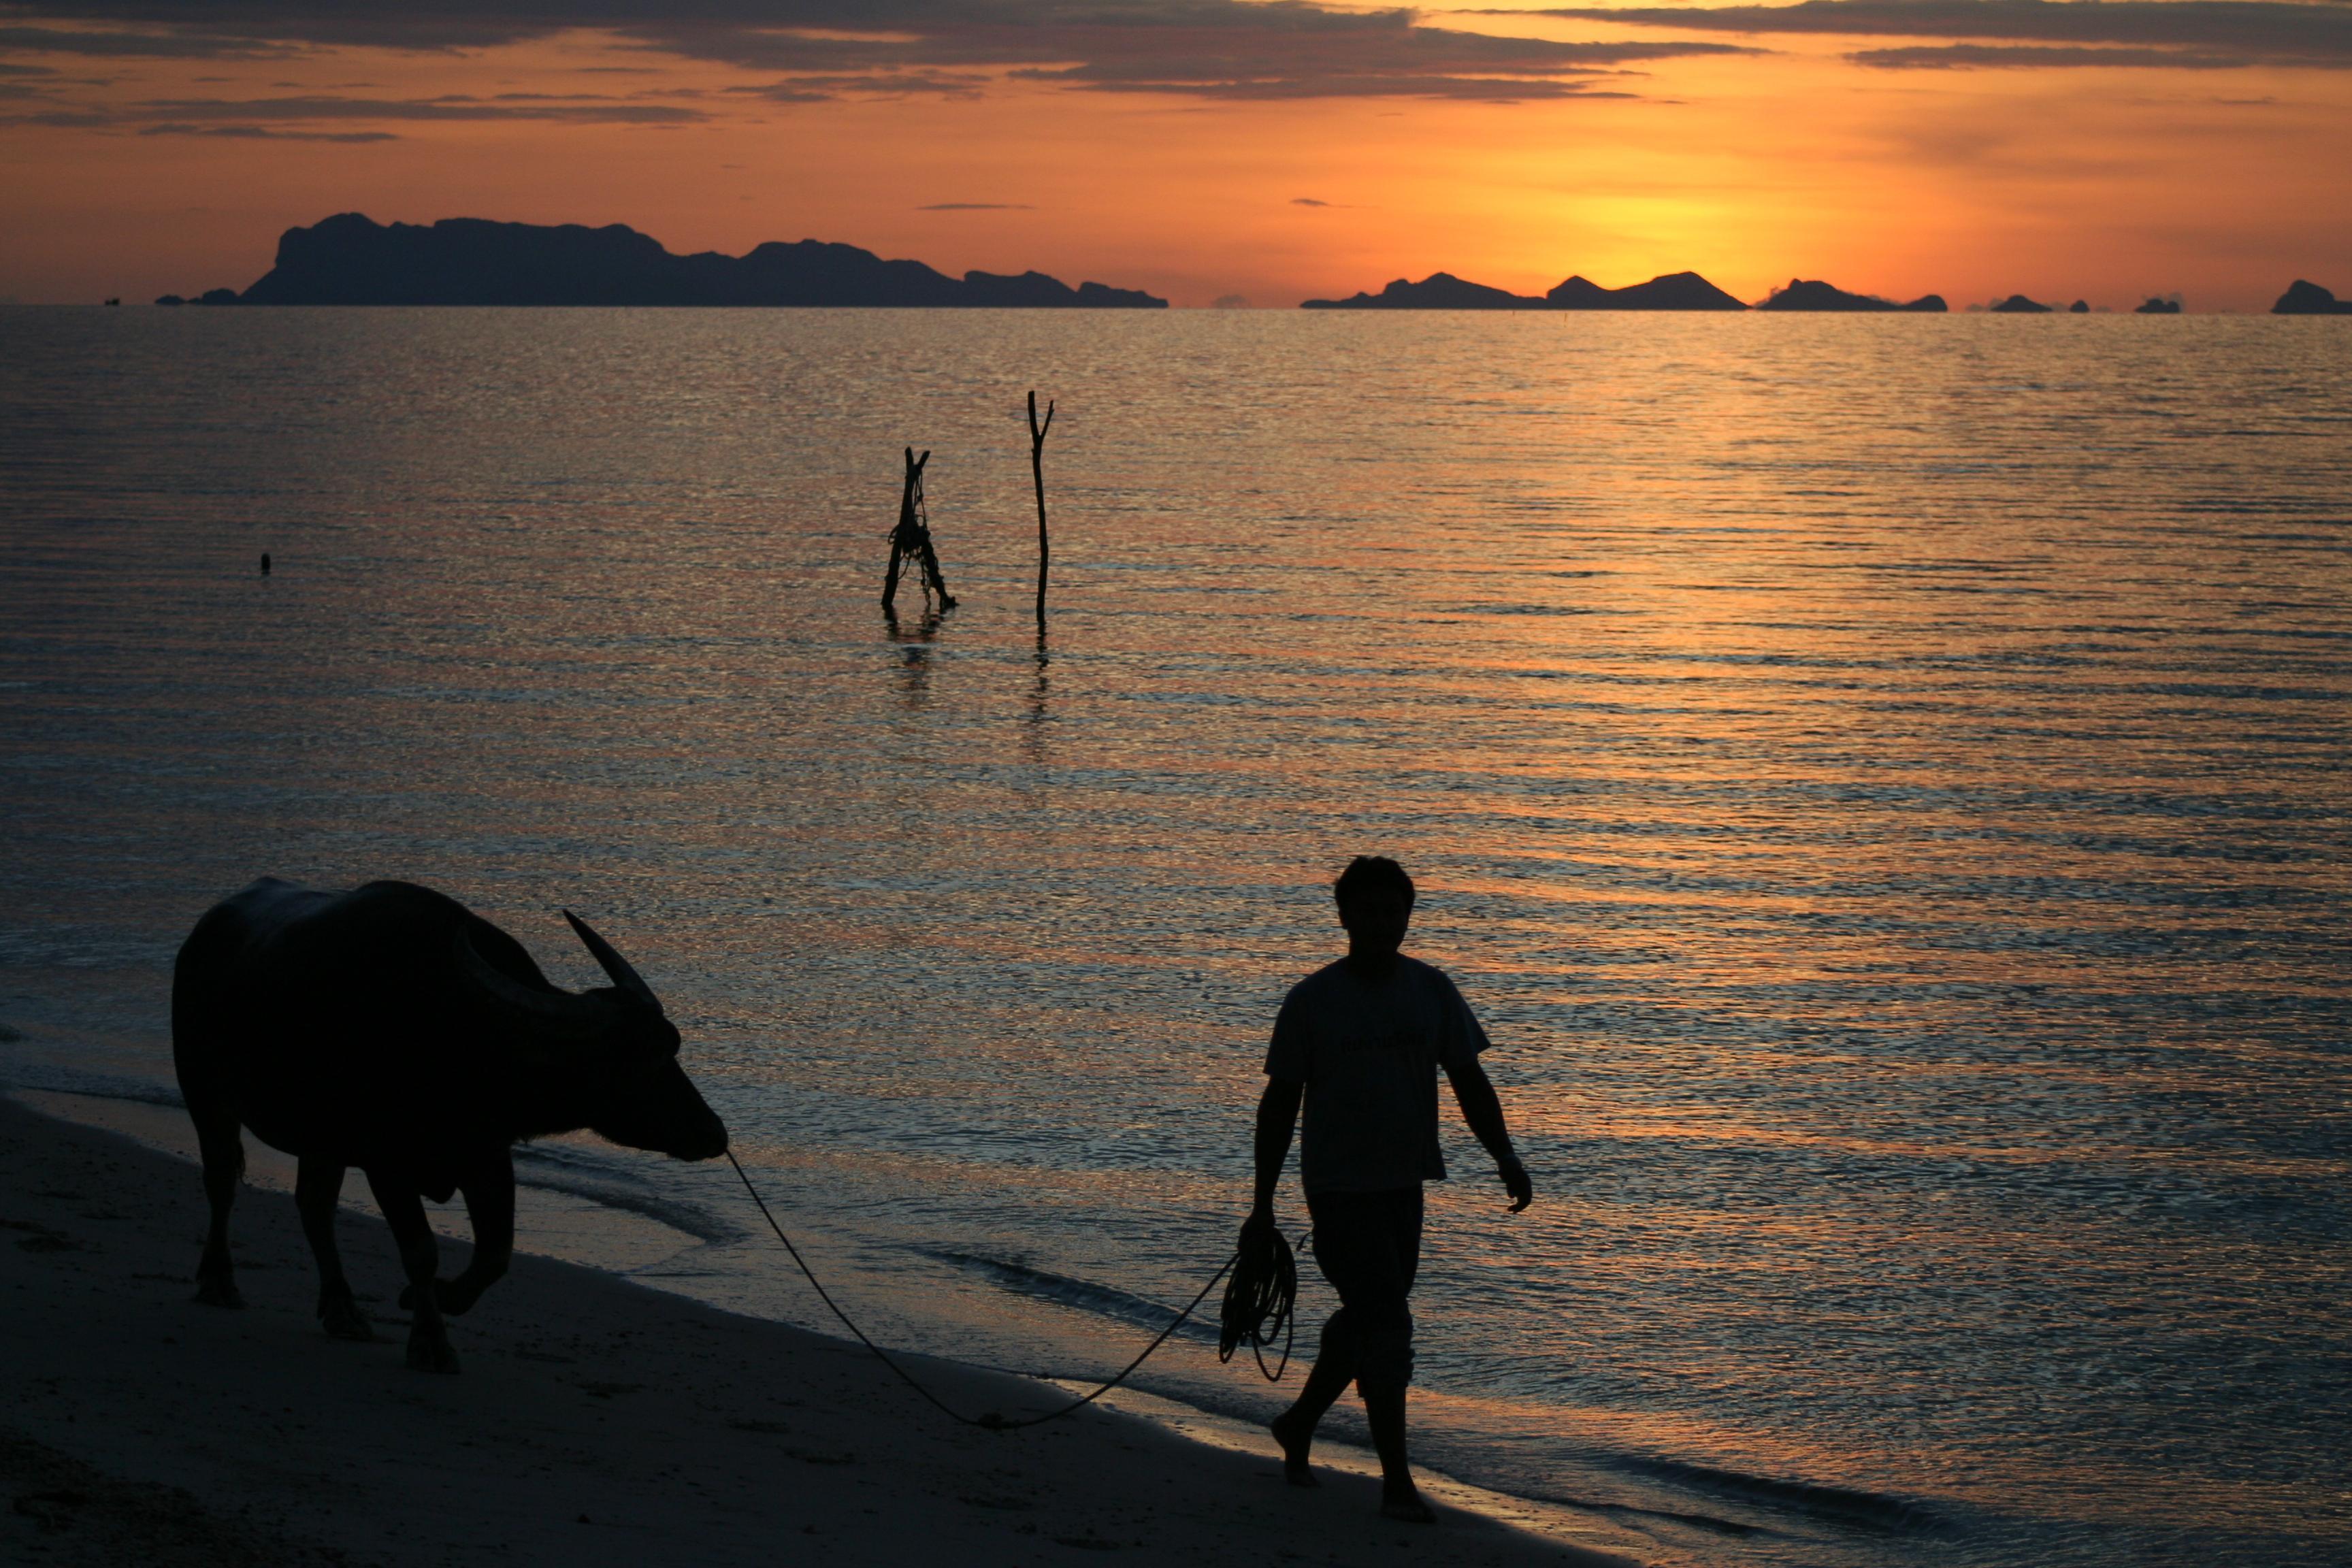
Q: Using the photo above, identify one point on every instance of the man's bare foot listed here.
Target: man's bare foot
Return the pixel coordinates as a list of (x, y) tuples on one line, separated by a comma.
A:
[(1401, 1500), (1295, 1443)]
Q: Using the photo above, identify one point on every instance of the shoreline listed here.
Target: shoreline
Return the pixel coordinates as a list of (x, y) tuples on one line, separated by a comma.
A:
[(676, 1431)]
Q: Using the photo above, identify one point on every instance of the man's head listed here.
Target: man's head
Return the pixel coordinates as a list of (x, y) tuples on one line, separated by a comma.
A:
[(1375, 899)]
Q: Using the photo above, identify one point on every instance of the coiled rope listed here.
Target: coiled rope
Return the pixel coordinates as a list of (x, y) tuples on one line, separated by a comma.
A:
[(1264, 1287), (1259, 1298)]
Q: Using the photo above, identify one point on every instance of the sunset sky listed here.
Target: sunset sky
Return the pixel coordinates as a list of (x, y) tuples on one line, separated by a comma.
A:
[(2103, 149)]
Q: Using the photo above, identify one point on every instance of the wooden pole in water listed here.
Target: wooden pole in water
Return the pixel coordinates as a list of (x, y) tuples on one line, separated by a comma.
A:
[(1037, 473), (903, 536), (911, 541)]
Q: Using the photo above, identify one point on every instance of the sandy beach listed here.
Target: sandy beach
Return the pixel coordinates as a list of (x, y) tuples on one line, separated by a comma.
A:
[(595, 1422)]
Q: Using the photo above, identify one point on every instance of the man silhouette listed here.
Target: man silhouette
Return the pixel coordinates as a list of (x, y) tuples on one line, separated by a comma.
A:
[(1360, 1042)]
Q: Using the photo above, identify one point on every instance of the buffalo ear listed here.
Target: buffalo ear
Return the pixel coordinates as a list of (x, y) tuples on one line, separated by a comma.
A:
[(614, 965)]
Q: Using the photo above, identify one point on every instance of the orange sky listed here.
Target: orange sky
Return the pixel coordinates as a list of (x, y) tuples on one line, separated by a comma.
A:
[(2221, 178)]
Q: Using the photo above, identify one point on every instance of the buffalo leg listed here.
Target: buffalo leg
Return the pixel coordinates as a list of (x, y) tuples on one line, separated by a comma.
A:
[(318, 1185), (489, 1187), (403, 1211), (222, 1143)]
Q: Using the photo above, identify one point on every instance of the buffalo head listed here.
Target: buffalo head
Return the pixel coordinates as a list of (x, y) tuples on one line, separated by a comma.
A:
[(617, 1046)]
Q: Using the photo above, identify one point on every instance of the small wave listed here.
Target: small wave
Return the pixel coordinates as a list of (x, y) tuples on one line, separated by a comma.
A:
[(584, 1174), (1084, 1294), (45, 1077), (1843, 1505), (1846, 1506)]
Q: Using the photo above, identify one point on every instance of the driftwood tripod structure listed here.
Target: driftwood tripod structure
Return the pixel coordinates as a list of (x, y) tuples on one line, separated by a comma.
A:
[(911, 541), (1037, 472)]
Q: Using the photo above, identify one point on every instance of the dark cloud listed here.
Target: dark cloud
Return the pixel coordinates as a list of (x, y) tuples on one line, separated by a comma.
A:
[(194, 46), (453, 107), (296, 118), (829, 48), (1973, 56), (824, 88), (1308, 202), (1203, 48), (264, 134), (977, 207), (1487, 89), (2176, 34)]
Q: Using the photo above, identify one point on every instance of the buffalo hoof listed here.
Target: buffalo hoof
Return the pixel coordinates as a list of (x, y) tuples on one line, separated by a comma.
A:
[(344, 1321), (449, 1295), (440, 1358), (219, 1293)]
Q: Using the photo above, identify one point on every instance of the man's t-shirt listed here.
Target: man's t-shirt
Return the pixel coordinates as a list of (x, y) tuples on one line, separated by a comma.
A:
[(1369, 1051)]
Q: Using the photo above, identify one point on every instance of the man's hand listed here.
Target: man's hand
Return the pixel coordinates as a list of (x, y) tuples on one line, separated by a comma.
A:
[(1516, 1181), (1484, 1111)]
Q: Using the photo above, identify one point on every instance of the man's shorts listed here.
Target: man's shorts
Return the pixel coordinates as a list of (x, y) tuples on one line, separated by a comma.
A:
[(1368, 1245)]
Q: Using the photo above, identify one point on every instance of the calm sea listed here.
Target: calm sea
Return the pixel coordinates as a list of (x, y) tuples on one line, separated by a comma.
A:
[(1883, 782)]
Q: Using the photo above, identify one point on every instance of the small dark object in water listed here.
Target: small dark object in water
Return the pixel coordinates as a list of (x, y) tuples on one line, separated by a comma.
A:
[(911, 541), (2019, 305), (2158, 306), (2079, 308), (265, 563)]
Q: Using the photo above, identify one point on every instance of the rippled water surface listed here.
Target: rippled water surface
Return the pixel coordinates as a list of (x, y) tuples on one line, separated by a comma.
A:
[(1882, 781)]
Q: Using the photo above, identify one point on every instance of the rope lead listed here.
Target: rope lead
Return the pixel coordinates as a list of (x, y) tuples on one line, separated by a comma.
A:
[(1264, 1287)]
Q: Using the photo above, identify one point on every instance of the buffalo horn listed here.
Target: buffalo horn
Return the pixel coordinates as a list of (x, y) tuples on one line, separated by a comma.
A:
[(626, 978), (561, 1008)]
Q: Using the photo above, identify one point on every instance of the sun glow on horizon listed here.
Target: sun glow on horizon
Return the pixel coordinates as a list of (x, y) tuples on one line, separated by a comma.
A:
[(1760, 159)]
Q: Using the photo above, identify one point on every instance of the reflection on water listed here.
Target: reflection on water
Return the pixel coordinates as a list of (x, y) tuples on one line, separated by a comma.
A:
[(1040, 694), (914, 636), (1882, 782)]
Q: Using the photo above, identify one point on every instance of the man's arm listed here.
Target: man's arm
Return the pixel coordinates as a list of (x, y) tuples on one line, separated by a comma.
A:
[(1277, 1115), (1482, 1109)]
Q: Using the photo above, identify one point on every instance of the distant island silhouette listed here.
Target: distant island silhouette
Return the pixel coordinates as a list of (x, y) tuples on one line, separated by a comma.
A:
[(1671, 291), (1811, 294), (351, 259), (1668, 291), (2303, 299), (1444, 291)]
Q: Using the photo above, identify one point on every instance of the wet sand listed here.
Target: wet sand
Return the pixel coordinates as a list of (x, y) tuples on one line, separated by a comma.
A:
[(595, 1421)]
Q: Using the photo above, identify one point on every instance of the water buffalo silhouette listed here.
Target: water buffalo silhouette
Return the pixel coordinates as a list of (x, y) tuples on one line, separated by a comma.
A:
[(391, 1028)]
